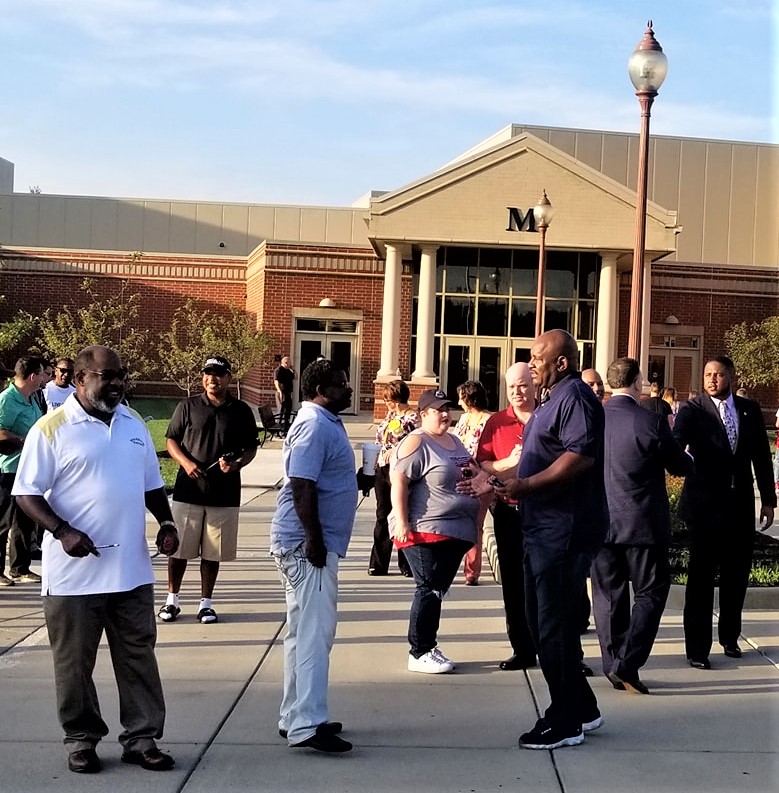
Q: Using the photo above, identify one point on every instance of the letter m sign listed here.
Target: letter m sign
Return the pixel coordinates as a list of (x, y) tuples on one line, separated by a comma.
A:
[(519, 221)]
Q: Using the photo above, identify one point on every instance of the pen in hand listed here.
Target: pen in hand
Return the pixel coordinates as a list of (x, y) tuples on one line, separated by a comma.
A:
[(112, 545)]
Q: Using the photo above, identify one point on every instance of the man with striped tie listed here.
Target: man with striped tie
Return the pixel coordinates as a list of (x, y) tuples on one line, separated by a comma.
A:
[(726, 436)]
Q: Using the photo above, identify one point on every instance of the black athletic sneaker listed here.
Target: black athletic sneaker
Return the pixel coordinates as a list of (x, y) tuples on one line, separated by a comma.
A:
[(545, 736)]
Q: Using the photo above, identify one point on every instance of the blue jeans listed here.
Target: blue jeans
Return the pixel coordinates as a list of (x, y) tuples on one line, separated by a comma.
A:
[(554, 582), (434, 566)]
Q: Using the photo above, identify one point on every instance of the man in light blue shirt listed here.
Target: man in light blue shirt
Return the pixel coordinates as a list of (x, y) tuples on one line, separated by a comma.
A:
[(310, 532)]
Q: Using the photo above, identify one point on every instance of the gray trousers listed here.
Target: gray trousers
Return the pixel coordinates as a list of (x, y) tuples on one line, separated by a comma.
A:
[(76, 624)]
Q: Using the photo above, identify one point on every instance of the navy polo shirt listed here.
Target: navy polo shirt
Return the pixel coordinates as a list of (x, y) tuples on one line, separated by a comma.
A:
[(574, 514), (205, 432)]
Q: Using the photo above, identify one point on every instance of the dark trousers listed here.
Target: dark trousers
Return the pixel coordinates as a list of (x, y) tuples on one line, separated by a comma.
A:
[(511, 551), (554, 580), (16, 530), (434, 566), (75, 624), (626, 636), (381, 553), (726, 546), (285, 410)]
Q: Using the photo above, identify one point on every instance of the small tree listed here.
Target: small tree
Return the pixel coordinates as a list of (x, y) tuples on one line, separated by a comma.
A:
[(111, 321), (16, 331), (237, 337), (184, 347), (754, 349)]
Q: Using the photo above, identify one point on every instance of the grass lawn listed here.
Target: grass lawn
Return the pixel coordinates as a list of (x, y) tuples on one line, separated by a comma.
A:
[(168, 467)]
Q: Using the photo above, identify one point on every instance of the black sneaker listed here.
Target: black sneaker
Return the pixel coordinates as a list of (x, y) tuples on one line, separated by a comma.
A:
[(545, 736)]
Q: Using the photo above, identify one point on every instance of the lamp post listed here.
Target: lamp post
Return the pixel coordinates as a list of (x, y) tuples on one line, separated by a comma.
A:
[(542, 214), (647, 68)]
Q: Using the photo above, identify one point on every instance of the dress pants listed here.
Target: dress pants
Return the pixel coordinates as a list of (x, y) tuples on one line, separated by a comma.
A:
[(727, 546), (554, 580), (626, 636), (312, 602), (510, 546), (285, 410), (381, 552), (75, 624)]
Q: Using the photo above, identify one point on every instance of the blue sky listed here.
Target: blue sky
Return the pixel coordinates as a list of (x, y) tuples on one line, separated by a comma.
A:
[(319, 101)]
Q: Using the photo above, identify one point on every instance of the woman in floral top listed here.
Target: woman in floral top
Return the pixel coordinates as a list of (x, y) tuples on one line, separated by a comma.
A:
[(473, 400), (399, 422)]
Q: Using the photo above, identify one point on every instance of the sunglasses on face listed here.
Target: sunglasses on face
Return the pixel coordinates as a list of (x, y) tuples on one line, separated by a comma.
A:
[(62, 370), (107, 375)]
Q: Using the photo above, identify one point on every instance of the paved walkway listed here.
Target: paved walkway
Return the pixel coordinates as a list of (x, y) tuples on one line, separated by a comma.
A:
[(699, 731)]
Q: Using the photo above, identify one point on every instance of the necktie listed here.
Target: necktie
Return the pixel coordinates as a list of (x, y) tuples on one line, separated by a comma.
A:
[(730, 425)]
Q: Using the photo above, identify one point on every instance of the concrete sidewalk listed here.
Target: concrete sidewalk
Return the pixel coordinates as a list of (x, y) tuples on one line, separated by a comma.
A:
[(699, 731)]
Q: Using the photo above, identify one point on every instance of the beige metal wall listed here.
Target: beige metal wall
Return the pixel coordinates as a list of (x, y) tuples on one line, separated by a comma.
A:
[(726, 193)]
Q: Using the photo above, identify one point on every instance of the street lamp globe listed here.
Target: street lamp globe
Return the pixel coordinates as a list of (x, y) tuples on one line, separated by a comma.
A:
[(648, 66), (543, 212)]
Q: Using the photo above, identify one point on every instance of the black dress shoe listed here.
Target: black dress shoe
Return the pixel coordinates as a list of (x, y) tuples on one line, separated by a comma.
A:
[(699, 663), (517, 662), (629, 682), (333, 727), (376, 571), (586, 670), (152, 759), (84, 761), (407, 573), (732, 651), (324, 741)]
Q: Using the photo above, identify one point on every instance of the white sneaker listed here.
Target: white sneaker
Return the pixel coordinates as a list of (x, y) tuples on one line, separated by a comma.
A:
[(432, 663)]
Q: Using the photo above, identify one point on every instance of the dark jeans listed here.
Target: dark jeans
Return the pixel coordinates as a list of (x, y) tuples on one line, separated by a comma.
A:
[(554, 581), (16, 529), (381, 553), (285, 412), (511, 551), (434, 565)]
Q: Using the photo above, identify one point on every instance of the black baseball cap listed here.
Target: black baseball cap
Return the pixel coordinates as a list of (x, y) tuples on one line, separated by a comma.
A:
[(217, 362), (434, 398)]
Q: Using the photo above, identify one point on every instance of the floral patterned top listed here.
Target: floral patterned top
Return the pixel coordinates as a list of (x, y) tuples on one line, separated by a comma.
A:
[(469, 431), (392, 430)]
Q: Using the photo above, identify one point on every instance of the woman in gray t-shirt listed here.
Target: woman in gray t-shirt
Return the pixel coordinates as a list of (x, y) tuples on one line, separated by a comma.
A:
[(433, 523)]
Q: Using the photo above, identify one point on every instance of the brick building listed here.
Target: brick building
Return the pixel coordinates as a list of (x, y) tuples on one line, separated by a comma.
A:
[(438, 279)]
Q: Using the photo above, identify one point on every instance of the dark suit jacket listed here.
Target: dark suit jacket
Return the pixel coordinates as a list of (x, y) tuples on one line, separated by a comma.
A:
[(639, 449), (720, 475)]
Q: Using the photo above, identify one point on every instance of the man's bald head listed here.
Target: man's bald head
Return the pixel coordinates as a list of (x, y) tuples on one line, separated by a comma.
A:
[(591, 378), (554, 355), (519, 387)]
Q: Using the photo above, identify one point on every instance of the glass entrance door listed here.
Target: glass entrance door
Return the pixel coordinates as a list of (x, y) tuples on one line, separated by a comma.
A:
[(340, 350), (473, 359)]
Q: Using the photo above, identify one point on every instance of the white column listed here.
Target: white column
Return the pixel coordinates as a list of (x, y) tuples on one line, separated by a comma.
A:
[(646, 319), (423, 365), (608, 314), (390, 325)]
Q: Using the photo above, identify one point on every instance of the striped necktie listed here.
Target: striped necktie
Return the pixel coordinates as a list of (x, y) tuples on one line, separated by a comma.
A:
[(730, 425)]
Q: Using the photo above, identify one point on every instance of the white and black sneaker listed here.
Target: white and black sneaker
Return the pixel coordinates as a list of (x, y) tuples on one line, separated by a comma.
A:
[(431, 663), (545, 736)]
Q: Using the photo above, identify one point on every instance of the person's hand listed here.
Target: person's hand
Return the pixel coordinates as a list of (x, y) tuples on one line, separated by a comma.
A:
[(75, 543), (475, 482), (192, 469), (512, 489), (516, 453), (400, 531), (316, 552), (226, 467), (167, 541), (766, 518)]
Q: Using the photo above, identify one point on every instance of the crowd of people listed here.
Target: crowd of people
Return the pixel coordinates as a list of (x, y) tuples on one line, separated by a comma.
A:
[(575, 484)]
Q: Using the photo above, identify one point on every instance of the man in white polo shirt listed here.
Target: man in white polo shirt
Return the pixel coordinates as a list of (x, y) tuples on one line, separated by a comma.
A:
[(86, 475)]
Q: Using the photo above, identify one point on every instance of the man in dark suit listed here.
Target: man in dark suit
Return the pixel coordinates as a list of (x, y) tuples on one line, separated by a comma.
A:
[(638, 449), (726, 436)]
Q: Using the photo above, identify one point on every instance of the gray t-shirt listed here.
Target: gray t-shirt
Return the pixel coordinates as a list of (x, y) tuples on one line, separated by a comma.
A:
[(434, 506)]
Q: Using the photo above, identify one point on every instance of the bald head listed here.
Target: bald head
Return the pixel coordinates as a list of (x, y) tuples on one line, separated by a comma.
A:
[(591, 378), (519, 387), (554, 355)]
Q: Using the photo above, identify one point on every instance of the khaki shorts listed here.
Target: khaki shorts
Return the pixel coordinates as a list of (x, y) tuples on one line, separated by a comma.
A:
[(208, 532)]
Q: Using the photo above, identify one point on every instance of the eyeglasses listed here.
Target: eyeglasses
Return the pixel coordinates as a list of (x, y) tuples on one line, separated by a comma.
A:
[(64, 370), (107, 375)]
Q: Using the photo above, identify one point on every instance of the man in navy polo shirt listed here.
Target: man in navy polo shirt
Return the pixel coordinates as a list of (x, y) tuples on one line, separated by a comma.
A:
[(564, 516)]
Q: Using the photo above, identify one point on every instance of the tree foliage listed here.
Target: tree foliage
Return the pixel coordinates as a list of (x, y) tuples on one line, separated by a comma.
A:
[(236, 336), (16, 331), (187, 343), (112, 321), (754, 348)]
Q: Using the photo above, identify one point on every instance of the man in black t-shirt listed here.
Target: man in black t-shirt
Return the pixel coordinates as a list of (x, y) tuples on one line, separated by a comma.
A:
[(283, 380), (211, 436)]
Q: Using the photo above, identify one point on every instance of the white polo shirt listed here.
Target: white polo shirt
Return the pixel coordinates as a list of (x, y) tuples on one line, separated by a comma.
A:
[(94, 476)]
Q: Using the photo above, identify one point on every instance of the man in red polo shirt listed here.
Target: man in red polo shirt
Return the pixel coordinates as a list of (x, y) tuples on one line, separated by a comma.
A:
[(498, 453)]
